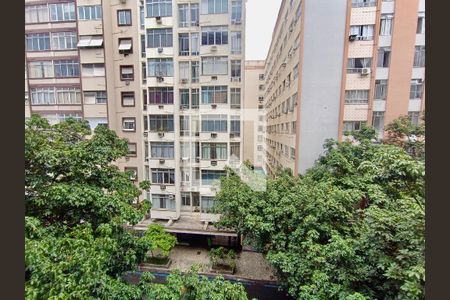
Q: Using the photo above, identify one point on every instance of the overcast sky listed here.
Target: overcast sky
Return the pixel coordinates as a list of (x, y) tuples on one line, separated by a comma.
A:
[(261, 18)]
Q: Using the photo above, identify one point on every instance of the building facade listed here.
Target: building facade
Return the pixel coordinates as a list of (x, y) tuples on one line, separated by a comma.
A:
[(168, 75), (334, 65)]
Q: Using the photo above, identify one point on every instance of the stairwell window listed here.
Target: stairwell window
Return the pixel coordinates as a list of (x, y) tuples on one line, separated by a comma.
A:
[(387, 20), (159, 8), (214, 7), (362, 32)]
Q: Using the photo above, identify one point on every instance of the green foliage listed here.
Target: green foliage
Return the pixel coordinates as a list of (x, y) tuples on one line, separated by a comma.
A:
[(351, 228), (159, 240), (222, 256)]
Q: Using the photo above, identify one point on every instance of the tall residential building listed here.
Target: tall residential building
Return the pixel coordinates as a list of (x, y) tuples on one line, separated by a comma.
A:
[(254, 121), (334, 65), (165, 74)]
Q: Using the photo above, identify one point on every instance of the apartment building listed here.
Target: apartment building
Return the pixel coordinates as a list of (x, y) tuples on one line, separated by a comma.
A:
[(335, 65), (82, 60), (254, 121)]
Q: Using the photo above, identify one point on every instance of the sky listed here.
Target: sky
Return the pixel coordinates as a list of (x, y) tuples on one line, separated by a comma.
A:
[(261, 18)]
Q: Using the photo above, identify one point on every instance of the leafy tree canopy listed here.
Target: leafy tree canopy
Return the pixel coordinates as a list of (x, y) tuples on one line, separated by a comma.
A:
[(351, 228)]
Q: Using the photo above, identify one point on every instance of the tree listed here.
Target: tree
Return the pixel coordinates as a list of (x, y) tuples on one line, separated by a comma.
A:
[(351, 228), (159, 240), (77, 203)]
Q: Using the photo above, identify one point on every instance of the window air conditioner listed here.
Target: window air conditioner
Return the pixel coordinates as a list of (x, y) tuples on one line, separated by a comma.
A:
[(197, 159), (161, 134), (145, 134), (214, 163), (123, 1), (365, 71), (213, 77), (158, 20), (213, 48), (213, 135), (352, 37), (127, 82), (235, 79), (161, 106), (184, 81), (213, 106), (160, 50), (162, 161), (160, 78), (163, 187)]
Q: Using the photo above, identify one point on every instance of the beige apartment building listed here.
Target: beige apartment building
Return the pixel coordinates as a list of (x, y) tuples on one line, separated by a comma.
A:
[(165, 74), (254, 121), (334, 65)]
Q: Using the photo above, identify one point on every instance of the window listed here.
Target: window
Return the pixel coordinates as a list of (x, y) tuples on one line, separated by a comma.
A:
[(66, 68), (215, 65), (159, 38), (419, 57), (184, 98), (160, 95), (68, 96), (214, 94), (186, 197), (295, 71), (90, 41), (195, 98), (162, 123), (214, 7), (62, 12), (355, 65), (292, 153), (381, 89), (184, 70), (387, 20), (357, 97), (162, 150), (235, 126), (195, 71), (160, 67), (142, 17), (166, 202), (90, 12), (363, 3), (183, 15), (64, 40), (236, 69), (207, 204), (125, 46), (184, 125), (259, 148), (209, 176), (416, 89), (236, 42), (194, 14), (163, 176), (95, 97), (215, 35), (384, 57), (353, 125), (235, 151), (132, 149), (128, 99), (214, 151), (133, 173), (38, 41), (129, 124), (40, 69), (183, 44), (126, 73), (92, 70), (159, 8), (214, 123), (236, 11), (414, 116), (261, 77), (124, 17), (293, 127), (195, 43), (378, 121), (235, 98), (421, 23), (362, 32), (42, 96), (65, 116), (36, 14)]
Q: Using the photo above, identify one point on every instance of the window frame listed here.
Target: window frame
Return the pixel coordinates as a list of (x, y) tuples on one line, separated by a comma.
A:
[(125, 94), (127, 13), (122, 67)]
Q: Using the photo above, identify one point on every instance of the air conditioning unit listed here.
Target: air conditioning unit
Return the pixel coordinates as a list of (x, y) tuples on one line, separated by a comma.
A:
[(235, 79), (161, 106), (213, 135), (213, 77), (232, 136), (184, 81), (352, 37), (162, 161), (162, 187), (237, 22), (161, 134), (127, 82), (214, 163), (159, 78), (213, 106), (197, 159), (365, 71), (123, 1), (158, 20), (160, 50), (213, 48), (145, 134)]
